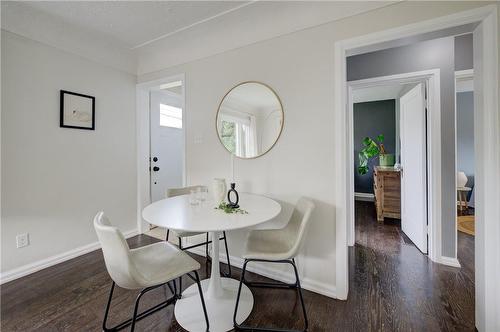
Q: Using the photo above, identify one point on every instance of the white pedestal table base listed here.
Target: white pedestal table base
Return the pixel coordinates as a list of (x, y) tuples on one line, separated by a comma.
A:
[(189, 312)]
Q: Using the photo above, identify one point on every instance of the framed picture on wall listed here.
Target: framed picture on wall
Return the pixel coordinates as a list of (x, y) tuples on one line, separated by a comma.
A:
[(77, 110)]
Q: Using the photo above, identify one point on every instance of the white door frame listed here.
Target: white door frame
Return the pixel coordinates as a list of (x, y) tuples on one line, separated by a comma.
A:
[(431, 78), (143, 137), (487, 246)]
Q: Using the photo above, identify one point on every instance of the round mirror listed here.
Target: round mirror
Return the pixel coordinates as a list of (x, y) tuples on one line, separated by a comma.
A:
[(249, 119)]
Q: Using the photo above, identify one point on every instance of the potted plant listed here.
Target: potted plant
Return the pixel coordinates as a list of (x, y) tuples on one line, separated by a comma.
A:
[(372, 149)]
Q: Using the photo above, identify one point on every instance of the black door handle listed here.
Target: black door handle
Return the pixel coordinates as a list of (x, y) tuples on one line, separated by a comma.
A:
[(156, 169)]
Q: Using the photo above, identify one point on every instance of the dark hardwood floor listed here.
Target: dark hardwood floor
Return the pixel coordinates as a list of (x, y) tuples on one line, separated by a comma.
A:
[(393, 287), (404, 289)]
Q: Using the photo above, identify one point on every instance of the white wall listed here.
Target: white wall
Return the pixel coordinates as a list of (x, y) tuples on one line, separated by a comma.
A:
[(55, 179), (296, 165), (299, 66)]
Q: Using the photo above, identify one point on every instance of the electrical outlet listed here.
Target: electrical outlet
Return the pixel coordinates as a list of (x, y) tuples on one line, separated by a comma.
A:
[(22, 240)]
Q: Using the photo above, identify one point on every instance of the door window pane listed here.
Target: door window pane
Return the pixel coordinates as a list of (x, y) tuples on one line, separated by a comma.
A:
[(170, 116)]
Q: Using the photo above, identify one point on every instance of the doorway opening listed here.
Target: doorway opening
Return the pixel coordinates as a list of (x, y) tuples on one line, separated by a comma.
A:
[(395, 129), (390, 140), (167, 138), (465, 165), (161, 142), (167, 148), (483, 23)]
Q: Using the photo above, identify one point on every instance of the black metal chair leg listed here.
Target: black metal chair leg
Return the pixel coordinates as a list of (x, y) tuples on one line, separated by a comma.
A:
[(206, 247), (270, 285), (173, 290), (242, 278), (136, 307), (206, 244), (136, 317), (227, 254), (202, 299), (179, 295), (300, 295), (175, 287), (168, 232), (180, 278), (107, 307)]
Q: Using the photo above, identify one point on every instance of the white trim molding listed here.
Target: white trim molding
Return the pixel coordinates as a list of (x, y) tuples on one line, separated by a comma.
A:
[(464, 80), (487, 181), (450, 261), (54, 260), (266, 271)]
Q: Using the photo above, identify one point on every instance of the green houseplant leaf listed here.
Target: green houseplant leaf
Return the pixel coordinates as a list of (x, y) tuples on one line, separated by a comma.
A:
[(362, 170), (370, 150)]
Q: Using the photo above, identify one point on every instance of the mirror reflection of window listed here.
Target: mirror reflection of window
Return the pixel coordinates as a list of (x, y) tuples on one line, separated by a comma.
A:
[(249, 120), (228, 135), (241, 139)]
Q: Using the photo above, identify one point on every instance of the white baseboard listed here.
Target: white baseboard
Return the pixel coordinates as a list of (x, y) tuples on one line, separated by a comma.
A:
[(306, 283), (364, 197), (450, 261), (53, 260)]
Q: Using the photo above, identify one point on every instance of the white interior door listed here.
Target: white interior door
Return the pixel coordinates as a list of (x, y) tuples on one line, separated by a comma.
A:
[(414, 166), (167, 142)]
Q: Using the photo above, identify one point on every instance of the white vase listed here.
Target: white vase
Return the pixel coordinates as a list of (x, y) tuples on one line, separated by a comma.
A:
[(219, 190)]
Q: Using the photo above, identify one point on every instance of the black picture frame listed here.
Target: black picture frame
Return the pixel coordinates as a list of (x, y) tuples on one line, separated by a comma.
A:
[(62, 122)]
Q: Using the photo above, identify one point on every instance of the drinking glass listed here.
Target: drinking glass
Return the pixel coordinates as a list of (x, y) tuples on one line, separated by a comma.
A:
[(202, 194), (193, 198)]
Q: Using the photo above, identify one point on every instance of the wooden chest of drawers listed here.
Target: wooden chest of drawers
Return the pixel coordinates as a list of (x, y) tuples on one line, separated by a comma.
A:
[(387, 189)]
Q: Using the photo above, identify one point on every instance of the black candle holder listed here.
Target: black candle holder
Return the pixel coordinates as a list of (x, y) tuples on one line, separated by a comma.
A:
[(233, 204)]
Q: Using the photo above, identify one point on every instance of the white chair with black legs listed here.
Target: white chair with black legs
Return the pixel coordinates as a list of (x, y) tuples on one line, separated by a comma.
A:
[(185, 191), (277, 246), (144, 268)]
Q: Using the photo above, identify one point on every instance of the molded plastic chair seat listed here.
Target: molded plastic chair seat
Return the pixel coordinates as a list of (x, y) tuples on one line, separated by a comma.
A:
[(274, 244), (277, 246), (161, 262), (146, 268)]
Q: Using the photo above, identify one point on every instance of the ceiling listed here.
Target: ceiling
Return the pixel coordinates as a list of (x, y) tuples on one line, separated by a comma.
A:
[(141, 37), (133, 23), (252, 97)]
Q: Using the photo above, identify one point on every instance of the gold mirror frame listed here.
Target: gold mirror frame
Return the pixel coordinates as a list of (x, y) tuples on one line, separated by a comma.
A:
[(282, 118)]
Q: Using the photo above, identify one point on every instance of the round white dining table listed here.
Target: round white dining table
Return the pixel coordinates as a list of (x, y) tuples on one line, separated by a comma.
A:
[(178, 214)]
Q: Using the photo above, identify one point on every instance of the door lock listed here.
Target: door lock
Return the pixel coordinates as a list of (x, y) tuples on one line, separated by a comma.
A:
[(155, 159)]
